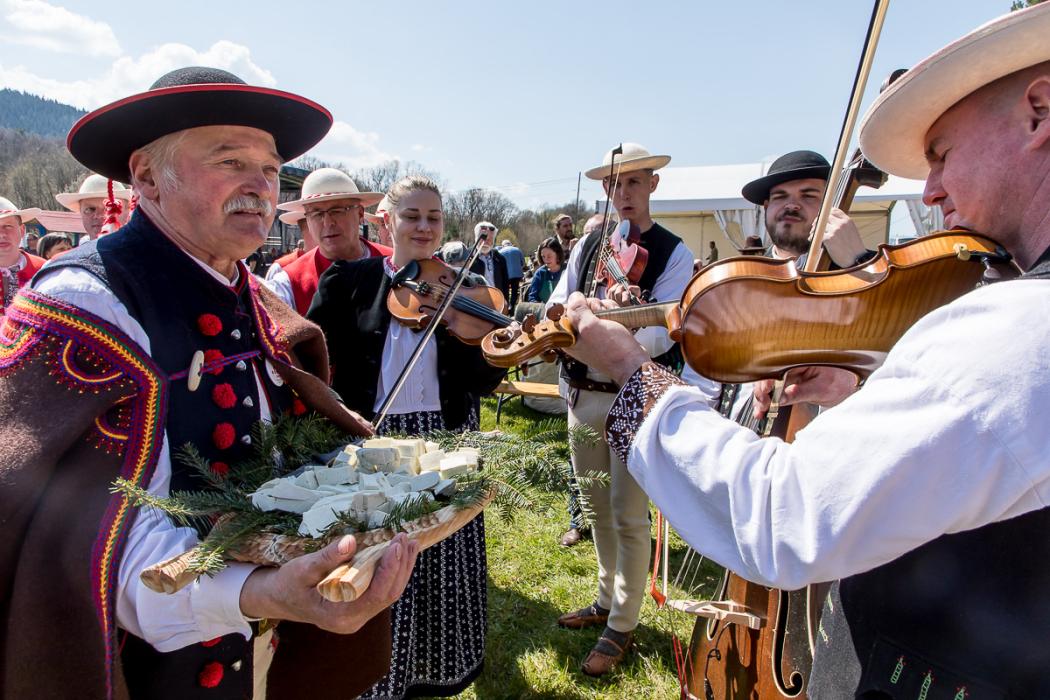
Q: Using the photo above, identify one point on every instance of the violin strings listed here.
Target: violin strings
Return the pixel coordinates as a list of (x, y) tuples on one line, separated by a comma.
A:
[(475, 308)]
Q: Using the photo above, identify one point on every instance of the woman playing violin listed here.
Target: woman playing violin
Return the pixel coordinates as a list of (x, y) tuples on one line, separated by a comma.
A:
[(439, 622)]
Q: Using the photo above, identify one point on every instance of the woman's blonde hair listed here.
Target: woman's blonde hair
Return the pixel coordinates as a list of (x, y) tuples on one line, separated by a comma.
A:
[(411, 183)]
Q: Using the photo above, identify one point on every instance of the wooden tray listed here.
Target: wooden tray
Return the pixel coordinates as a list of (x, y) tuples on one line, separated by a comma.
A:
[(343, 585)]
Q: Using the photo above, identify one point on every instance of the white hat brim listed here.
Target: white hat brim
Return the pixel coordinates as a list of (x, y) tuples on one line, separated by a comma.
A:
[(629, 165), (72, 200), (292, 218), (893, 132), (365, 199), (23, 215), (376, 218)]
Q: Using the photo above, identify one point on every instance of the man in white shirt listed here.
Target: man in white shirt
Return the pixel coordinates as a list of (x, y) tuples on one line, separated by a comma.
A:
[(926, 491), (621, 509), (90, 202)]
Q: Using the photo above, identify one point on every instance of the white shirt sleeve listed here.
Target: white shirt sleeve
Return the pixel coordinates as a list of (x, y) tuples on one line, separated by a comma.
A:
[(941, 439), (204, 610), (281, 285), (273, 270)]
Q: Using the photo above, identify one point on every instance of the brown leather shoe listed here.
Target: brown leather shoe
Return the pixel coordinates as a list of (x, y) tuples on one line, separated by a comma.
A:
[(591, 616), (607, 654), (571, 537)]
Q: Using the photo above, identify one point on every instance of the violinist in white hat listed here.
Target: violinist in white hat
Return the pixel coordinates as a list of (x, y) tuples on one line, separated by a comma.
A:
[(331, 207), (621, 509), (90, 202), (926, 493)]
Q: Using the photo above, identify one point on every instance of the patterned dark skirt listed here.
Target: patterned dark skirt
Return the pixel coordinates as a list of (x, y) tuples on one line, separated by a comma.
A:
[(439, 622)]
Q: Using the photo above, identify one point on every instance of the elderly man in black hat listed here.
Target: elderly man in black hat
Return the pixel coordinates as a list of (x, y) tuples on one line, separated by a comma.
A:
[(790, 194), (138, 364), (926, 493)]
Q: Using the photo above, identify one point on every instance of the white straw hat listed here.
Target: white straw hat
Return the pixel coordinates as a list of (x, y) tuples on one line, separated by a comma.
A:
[(326, 184), (8, 208), (93, 187), (634, 157), (292, 218), (893, 133), (377, 217)]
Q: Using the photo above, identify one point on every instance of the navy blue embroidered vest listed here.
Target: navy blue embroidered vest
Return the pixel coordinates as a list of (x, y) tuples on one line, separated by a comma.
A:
[(183, 309), (964, 617)]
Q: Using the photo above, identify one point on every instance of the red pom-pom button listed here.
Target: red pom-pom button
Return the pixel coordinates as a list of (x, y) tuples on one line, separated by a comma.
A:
[(209, 324), (220, 469), (211, 675), (223, 435), (298, 407), (214, 356), (223, 396)]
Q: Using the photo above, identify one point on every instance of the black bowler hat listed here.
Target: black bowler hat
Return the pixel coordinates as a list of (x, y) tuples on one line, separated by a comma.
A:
[(104, 140), (797, 165)]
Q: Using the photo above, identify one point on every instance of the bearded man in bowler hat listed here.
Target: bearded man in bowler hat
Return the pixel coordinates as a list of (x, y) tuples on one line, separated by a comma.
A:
[(925, 493), (116, 353), (790, 194)]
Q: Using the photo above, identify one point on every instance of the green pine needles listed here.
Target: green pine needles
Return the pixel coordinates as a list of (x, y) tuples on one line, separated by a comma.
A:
[(517, 470)]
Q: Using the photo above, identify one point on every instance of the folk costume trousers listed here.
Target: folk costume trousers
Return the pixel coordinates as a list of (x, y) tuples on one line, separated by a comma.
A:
[(621, 517)]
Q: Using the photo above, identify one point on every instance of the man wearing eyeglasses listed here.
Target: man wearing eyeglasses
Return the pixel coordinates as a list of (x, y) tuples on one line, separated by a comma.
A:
[(332, 207), (491, 264)]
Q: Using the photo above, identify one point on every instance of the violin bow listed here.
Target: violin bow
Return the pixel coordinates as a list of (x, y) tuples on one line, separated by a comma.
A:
[(435, 321), (860, 81)]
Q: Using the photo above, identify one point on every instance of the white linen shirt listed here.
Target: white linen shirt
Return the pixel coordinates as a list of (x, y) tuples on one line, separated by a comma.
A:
[(206, 609), (421, 391), (947, 436)]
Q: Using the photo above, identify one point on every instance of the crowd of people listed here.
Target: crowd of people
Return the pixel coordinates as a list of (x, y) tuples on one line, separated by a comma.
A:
[(935, 461)]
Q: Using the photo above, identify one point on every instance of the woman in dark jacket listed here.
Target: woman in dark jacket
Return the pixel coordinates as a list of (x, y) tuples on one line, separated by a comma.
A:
[(552, 257), (439, 622)]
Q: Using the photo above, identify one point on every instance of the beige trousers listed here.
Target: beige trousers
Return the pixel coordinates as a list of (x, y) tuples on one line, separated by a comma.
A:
[(621, 517)]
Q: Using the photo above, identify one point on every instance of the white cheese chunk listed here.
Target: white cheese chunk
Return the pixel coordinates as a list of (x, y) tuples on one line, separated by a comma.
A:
[(380, 442), (426, 480), (445, 487), (431, 446), (431, 460), (308, 480), (378, 458), (337, 475), (263, 500), (287, 489)]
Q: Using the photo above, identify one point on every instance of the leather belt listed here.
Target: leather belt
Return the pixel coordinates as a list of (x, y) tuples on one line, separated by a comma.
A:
[(588, 385)]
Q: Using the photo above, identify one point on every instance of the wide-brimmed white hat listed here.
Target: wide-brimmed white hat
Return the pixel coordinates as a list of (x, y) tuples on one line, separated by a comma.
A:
[(292, 218), (93, 187), (634, 157), (326, 184), (893, 133), (377, 217), (8, 208)]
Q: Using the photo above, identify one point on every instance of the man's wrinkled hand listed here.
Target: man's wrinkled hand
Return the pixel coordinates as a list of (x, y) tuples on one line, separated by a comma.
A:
[(824, 386), (290, 592), (624, 296), (604, 346)]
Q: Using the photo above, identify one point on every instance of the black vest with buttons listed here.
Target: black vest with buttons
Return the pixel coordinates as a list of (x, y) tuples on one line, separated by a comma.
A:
[(183, 309), (964, 617), (660, 244)]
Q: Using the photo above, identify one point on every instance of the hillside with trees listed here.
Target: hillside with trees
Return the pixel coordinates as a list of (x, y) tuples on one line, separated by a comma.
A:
[(36, 115)]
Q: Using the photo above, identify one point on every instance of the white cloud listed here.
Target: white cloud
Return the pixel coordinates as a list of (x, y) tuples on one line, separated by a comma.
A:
[(41, 25), (354, 149), (129, 75), (419, 148)]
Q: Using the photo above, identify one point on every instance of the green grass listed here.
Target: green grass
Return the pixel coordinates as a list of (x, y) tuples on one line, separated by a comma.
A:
[(532, 580)]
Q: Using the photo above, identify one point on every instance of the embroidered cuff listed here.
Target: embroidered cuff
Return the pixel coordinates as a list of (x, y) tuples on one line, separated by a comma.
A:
[(634, 402)]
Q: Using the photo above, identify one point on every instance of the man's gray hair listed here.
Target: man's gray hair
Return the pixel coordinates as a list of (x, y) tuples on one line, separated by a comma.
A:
[(162, 158)]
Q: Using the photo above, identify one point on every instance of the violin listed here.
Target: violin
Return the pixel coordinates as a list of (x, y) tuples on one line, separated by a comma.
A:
[(622, 260), (420, 286)]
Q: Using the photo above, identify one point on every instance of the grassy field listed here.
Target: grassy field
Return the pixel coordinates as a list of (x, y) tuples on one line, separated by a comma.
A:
[(532, 580)]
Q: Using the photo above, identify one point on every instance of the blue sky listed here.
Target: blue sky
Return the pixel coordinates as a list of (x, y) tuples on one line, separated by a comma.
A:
[(517, 96)]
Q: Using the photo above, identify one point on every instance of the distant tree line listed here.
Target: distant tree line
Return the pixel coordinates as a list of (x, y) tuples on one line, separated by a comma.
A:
[(35, 166)]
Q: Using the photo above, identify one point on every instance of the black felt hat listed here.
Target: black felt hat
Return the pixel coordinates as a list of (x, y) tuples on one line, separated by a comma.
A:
[(104, 140), (797, 165)]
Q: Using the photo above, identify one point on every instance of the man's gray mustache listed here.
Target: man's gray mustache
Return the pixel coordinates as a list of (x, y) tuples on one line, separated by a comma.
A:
[(252, 205)]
